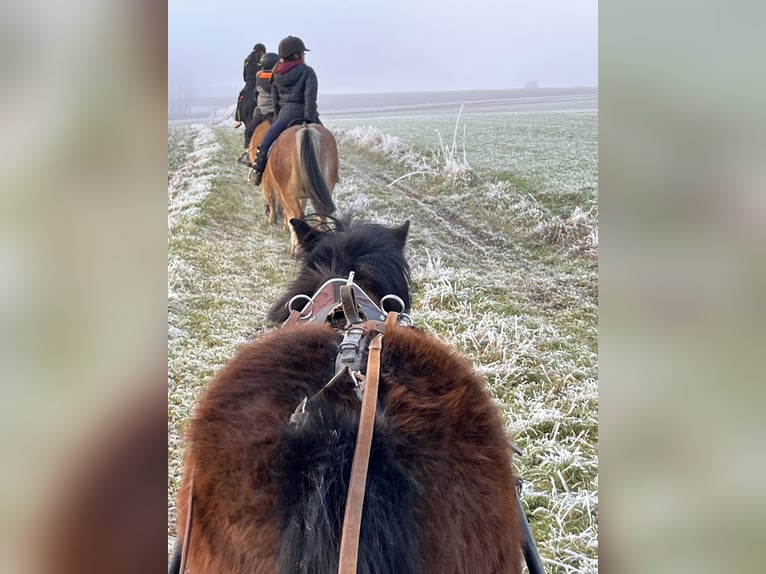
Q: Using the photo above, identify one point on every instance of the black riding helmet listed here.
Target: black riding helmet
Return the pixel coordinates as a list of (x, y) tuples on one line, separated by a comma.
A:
[(259, 48), (269, 60), (291, 44)]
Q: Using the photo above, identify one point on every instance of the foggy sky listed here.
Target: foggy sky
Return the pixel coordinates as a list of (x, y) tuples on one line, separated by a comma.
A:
[(391, 45)]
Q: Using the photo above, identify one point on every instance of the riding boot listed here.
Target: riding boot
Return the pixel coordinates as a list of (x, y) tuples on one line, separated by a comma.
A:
[(259, 164)]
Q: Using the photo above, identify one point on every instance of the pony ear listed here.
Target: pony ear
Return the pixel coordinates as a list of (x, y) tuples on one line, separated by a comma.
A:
[(307, 237), (400, 233)]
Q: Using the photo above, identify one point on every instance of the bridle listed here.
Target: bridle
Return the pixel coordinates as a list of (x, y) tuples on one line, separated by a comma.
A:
[(330, 299), (345, 306)]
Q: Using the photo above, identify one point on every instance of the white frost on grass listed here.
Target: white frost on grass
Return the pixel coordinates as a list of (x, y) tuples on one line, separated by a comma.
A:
[(449, 162), (350, 194), (553, 155), (543, 377), (390, 147), (188, 186), (500, 190), (577, 233), (191, 183), (558, 150), (444, 162)]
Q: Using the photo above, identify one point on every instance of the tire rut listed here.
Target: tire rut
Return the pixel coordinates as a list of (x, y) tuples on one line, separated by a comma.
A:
[(476, 239)]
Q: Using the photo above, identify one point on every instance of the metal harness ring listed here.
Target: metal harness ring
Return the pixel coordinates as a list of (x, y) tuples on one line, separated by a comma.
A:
[(309, 305), (394, 298), (405, 320)]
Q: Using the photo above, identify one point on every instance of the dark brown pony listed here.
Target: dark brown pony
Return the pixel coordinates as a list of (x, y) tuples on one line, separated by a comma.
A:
[(269, 496), (303, 165)]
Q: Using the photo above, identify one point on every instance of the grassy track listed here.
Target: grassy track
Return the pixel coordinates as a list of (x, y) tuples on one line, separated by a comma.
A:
[(503, 247)]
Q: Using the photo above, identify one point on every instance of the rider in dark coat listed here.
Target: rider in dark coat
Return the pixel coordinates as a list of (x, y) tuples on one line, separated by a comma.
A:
[(246, 100), (264, 106), (294, 92)]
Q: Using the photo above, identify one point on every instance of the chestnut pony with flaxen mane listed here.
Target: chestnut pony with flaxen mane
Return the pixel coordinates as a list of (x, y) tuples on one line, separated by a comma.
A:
[(303, 165), (269, 496)]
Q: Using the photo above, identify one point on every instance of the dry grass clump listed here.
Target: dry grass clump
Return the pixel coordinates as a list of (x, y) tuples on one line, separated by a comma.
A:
[(577, 233), (500, 190), (445, 162), (454, 166), (390, 147)]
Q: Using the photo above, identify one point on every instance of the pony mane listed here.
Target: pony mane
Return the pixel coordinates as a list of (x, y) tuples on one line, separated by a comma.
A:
[(374, 252)]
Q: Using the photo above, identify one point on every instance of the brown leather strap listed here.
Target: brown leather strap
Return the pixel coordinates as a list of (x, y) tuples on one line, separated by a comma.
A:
[(292, 319), (352, 519), (350, 307), (373, 326), (187, 530), (391, 318)]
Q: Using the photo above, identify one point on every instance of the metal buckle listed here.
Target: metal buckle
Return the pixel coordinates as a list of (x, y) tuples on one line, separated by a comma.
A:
[(351, 348)]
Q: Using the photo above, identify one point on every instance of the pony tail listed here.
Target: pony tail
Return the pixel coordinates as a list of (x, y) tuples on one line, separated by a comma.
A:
[(309, 156)]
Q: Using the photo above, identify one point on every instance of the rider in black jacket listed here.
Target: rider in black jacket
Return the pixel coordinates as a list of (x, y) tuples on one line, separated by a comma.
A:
[(246, 100), (264, 106), (294, 92)]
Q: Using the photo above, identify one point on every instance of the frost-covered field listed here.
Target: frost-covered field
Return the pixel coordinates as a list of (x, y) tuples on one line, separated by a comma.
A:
[(503, 245), (554, 148)]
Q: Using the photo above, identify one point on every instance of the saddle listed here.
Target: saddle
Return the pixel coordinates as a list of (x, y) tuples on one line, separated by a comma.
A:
[(298, 121)]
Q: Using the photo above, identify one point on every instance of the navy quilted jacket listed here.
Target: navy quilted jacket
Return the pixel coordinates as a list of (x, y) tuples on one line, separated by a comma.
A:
[(295, 94)]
